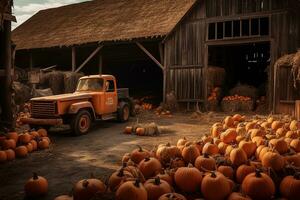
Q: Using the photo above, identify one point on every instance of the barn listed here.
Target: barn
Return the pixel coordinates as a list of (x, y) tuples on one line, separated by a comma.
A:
[(158, 46)]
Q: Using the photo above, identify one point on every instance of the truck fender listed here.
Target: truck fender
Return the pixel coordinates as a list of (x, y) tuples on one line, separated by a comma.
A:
[(75, 107)]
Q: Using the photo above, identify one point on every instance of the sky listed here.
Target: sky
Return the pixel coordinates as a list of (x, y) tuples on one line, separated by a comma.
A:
[(24, 9)]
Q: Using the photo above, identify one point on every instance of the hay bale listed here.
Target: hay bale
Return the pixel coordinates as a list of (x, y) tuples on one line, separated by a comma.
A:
[(296, 68), (71, 80), (53, 80), (22, 93), (42, 92), (244, 90)]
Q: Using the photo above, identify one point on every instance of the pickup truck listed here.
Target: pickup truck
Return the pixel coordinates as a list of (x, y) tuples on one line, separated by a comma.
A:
[(96, 98)]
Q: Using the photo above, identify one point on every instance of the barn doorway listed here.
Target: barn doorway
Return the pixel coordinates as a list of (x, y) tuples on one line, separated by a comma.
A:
[(245, 64)]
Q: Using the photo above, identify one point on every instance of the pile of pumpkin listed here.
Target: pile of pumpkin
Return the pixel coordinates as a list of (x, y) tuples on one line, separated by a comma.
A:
[(163, 111), (236, 98), (14, 145), (215, 94), (138, 129), (239, 160)]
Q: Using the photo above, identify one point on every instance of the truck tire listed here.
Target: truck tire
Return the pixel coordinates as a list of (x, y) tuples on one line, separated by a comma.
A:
[(123, 112), (81, 123)]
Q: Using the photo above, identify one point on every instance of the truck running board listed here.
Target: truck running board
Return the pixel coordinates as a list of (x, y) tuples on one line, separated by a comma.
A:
[(108, 116)]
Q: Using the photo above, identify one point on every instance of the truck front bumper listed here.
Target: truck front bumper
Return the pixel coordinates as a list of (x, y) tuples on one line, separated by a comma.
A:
[(34, 121)]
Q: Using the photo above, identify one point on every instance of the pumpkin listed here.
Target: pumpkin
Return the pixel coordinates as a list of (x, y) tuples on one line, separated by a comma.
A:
[(227, 171), (289, 187), (238, 117), (24, 138), (9, 144), (172, 196), (288, 140), (258, 186), (241, 131), (42, 132), (132, 190), (249, 147), (139, 154), (216, 131), (200, 144), (64, 197), (136, 173), (229, 136), (276, 125), (167, 152), (291, 134), (279, 145), (3, 156), (228, 150), (166, 176), (262, 152), (295, 145), (293, 159), (188, 179), (238, 196), (205, 162), (126, 158), (229, 121), (239, 138), (34, 134), (21, 151), (150, 167), (29, 147), (266, 125), (190, 153), (210, 149), (213, 181), (46, 138), (270, 119), (36, 186), (242, 171), (43, 144), (10, 154), (238, 156), (294, 125), (258, 140), (250, 125), (34, 145), (116, 179), (13, 135), (273, 160), (140, 131), (128, 130), (181, 142), (258, 150), (176, 163), (88, 188), (281, 132), (156, 188), (222, 147), (206, 138), (256, 132)]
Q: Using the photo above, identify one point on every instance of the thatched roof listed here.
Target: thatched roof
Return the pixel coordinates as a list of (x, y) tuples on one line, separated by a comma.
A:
[(100, 20)]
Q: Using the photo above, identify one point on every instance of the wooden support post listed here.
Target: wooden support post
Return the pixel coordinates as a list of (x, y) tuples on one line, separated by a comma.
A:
[(205, 76), (100, 63), (89, 58), (165, 74), (30, 60), (150, 55), (73, 59)]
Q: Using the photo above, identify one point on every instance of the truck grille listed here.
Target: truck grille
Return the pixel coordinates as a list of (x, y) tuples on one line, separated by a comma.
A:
[(43, 109)]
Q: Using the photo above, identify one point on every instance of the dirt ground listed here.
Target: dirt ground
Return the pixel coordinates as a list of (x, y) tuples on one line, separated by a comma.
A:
[(71, 159)]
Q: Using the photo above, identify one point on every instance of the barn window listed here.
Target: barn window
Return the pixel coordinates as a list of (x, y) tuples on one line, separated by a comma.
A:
[(264, 26), (219, 30), (236, 28), (245, 27), (228, 29), (212, 31), (255, 26)]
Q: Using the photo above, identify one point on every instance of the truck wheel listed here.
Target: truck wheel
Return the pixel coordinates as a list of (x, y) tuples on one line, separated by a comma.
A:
[(81, 123), (124, 113)]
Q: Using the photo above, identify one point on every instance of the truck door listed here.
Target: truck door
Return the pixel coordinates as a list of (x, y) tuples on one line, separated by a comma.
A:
[(111, 99)]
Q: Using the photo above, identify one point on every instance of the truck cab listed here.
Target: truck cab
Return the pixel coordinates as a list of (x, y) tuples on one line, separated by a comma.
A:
[(96, 98)]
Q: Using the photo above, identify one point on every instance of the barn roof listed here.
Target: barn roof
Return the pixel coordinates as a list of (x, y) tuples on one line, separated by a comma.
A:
[(99, 21)]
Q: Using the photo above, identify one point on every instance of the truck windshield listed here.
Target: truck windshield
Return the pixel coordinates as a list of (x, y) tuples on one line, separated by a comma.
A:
[(90, 84)]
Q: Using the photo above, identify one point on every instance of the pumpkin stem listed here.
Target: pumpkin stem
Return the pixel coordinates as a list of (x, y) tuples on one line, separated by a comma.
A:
[(137, 183), (85, 183), (140, 148), (157, 180), (213, 174), (258, 173), (297, 176), (190, 165), (121, 172), (35, 176), (147, 159), (206, 155)]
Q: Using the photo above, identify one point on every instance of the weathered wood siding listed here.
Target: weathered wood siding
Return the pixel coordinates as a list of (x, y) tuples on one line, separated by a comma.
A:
[(186, 47)]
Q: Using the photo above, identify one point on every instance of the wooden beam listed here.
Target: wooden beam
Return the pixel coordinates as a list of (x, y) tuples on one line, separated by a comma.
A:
[(150, 55), (73, 59), (89, 58), (100, 63)]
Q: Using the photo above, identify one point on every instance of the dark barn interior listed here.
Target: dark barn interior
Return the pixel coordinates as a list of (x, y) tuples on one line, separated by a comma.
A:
[(245, 64)]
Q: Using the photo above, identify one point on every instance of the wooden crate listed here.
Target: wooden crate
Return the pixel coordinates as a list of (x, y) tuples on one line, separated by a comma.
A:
[(297, 109)]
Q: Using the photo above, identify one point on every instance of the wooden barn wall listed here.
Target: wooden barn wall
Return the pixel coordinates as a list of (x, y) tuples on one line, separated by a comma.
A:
[(185, 48)]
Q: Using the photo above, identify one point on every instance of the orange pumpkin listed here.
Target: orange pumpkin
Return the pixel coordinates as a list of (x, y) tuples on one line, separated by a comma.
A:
[(181, 142), (36, 186), (276, 125), (34, 134), (210, 149), (116, 179), (222, 147), (24, 138), (165, 153), (150, 167), (176, 163), (289, 187), (156, 188), (249, 147), (13, 135), (139, 154), (140, 131), (34, 145), (205, 162), (258, 186), (43, 144), (238, 196), (29, 147), (216, 131), (42, 132), (3, 156), (294, 125), (279, 145), (281, 132), (273, 160), (227, 171), (132, 190), (190, 153), (9, 144), (242, 171), (238, 156), (188, 179), (293, 159), (10, 154), (21, 151), (128, 130), (291, 134), (228, 121), (238, 117), (172, 196), (295, 145), (229, 136), (64, 197), (88, 188)]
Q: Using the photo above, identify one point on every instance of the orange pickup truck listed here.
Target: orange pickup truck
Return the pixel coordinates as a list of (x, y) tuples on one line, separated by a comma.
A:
[(96, 98)]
